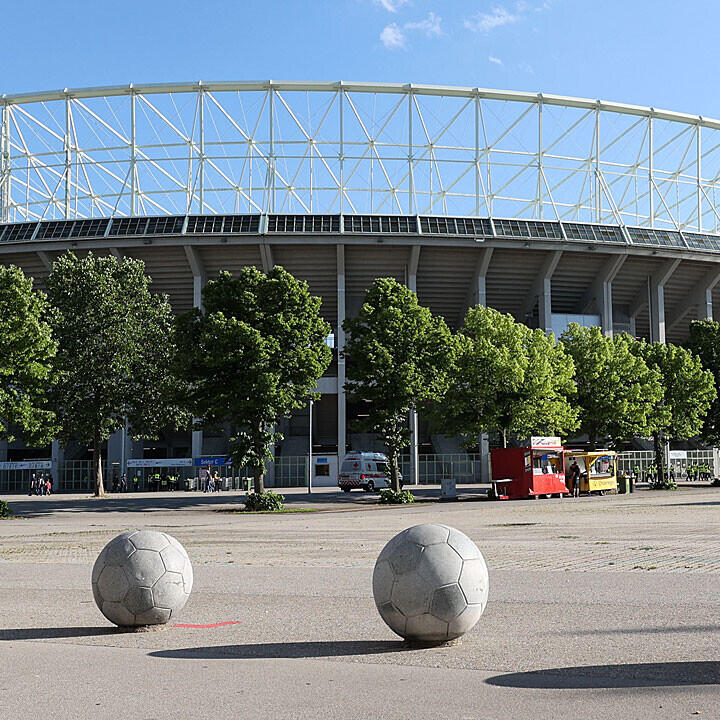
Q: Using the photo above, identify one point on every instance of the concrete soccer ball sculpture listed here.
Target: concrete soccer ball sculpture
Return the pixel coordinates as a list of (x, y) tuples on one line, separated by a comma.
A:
[(142, 577), (430, 584)]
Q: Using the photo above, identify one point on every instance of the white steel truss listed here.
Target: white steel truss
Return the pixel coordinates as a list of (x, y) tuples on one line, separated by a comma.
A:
[(273, 147)]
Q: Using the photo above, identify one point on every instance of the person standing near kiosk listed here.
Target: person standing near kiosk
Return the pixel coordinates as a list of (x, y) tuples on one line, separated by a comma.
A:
[(575, 479)]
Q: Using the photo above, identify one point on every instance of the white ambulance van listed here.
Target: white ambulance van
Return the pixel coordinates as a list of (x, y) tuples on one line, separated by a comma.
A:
[(366, 470)]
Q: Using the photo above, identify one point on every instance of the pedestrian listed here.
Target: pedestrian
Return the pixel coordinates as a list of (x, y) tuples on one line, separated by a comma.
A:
[(575, 478), (32, 485), (217, 483), (123, 483), (48, 486)]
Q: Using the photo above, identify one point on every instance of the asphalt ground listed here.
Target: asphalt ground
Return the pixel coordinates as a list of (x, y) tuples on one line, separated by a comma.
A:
[(602, 607)]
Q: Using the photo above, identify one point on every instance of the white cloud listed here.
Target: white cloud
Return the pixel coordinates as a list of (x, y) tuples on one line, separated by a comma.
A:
[(527, 68), (486, 22), (392, 5), (499, 16), (392, 37), (430, 26), (495, 60)]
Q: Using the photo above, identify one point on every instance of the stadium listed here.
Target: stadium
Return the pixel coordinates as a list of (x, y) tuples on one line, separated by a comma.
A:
[(554, 209)]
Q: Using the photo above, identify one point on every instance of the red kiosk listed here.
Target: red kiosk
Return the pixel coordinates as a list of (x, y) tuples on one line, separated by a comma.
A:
[(530, 471)]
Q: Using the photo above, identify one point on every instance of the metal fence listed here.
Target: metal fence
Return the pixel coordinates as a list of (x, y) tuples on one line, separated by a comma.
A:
[(291, 471), (16, 481), (641, 461), (76, 476), (464, 467)]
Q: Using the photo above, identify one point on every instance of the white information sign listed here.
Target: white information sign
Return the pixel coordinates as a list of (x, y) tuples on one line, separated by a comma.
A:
[(540, 441), (27, 465), (159, 462), (678, 454)]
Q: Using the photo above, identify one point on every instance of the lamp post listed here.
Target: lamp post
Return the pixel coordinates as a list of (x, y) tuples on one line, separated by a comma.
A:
[(310, 452)]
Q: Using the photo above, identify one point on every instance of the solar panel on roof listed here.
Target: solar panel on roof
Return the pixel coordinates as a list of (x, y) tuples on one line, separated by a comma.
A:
[(89, 228), (303, 223), (528, 228), (654, 236), (17, 232), (597, 233), (128, 226), (54, 230), (702, 241)]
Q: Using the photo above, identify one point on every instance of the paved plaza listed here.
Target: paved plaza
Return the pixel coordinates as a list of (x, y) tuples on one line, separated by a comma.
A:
[(605, 607)]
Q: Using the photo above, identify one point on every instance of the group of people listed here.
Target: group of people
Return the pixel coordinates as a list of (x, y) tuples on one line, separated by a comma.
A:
[(693, 472), (41, 485), (119, 484), (212, 481)]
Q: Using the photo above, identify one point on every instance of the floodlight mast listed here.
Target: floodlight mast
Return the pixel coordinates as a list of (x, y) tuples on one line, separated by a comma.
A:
[(348, 147)]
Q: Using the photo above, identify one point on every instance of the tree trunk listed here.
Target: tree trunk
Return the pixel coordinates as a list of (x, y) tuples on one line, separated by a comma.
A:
[(97, 466), (504, 434), (259, 470), (394, 470), (259, 479), (659, 460)]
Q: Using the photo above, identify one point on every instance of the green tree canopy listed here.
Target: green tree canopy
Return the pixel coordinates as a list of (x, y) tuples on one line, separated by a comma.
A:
[(688, 392), (399, 356), (26, 352), (251, 356), (115, 345), (616, 391), (704, 341), (507, 379)]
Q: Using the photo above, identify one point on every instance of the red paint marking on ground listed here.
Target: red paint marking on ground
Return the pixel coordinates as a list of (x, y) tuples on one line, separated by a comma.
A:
[(212, 625)]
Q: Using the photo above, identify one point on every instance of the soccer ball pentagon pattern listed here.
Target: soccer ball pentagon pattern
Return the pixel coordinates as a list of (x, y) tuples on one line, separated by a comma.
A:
[(430, 583), (142, 577)]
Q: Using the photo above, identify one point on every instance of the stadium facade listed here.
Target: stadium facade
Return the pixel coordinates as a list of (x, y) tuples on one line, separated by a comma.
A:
[(550, 208)]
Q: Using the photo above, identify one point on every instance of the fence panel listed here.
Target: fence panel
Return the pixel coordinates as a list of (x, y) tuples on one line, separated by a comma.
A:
[(76, 476), (464, 467), (291, 471), (640, 462)]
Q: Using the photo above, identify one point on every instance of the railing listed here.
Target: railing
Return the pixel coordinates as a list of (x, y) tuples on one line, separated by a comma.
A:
[(464, 467), (640, 462)]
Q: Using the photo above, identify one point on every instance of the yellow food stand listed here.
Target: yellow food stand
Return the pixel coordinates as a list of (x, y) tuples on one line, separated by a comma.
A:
[(598, 469)]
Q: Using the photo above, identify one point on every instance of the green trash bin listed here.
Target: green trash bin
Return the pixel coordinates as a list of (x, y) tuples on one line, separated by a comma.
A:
[(623, 484)]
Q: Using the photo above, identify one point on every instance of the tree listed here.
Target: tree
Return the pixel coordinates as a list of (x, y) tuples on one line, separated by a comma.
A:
[(704, 341), (399, 356), (507, 379), (251, 356), (616, 391), (26, 351), (688, 392), (115, 346)]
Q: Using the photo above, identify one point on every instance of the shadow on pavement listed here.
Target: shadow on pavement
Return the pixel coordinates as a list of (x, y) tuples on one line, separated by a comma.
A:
[(38, 507), (154, 502), (668, 674), (649, 630), (56, 633), (285, 650)]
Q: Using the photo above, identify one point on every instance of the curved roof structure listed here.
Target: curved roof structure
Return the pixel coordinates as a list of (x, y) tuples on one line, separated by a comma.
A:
[(345, 148)]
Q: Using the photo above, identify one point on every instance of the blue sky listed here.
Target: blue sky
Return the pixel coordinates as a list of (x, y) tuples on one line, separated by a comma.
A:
[(661, 53)]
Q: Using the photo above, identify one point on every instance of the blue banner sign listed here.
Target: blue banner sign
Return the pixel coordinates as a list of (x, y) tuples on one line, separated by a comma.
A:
[(212, 460)]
